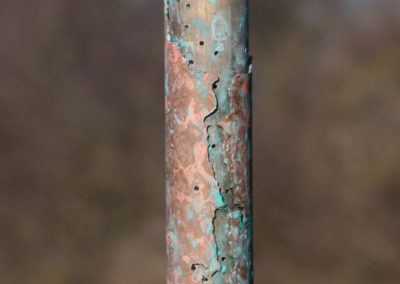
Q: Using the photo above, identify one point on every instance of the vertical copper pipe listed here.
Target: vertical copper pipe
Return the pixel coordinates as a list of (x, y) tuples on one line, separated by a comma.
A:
[(208, 142)]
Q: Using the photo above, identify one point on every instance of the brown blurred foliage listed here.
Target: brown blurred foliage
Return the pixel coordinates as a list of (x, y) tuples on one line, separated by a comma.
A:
[(81, 141)]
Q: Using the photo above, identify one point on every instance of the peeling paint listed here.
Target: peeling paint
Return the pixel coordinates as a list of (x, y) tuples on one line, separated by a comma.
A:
[(208, 138)]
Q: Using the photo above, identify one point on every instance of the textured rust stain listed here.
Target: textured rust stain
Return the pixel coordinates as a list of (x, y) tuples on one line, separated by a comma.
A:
[(236, 126)]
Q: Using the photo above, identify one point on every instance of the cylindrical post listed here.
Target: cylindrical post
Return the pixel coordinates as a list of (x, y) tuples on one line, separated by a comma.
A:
[(208, 142)]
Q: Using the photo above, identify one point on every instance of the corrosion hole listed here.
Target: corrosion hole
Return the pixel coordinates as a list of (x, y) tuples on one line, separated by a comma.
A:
[(196, 188), (223, 258), (213, 146), (187, 5), (186, 26), (214, 86), (191, 62), (205, 279), (226, 191), (201, 42), (193, 267), (216, 53)]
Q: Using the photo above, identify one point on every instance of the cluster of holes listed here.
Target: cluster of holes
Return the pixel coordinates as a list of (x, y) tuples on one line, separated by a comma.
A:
[(200, 42)]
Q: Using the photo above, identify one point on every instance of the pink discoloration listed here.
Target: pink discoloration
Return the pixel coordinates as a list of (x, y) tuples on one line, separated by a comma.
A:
[(186, 259), (189, 175), (181, 197), (174, 57), (175, 275), (169, 238), (189, 83), (195, 278)]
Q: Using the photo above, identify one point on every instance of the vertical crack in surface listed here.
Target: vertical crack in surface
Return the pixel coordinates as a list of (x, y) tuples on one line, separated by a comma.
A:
[(210, 146), (223, 223)]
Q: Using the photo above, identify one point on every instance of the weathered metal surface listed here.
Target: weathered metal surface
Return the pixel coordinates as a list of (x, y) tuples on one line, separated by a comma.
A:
[(208, 143)]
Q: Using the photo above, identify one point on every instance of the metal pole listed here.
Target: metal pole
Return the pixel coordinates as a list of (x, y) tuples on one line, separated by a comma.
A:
[(208, 142)]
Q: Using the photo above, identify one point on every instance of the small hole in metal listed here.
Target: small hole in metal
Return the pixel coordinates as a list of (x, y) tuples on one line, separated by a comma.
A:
[(193, 267), (216, 53), (191, 62), (201, 42), (196, 188), (187, 5)]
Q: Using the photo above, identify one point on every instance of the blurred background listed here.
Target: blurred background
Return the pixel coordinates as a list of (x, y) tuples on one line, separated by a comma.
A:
[(82, 141)]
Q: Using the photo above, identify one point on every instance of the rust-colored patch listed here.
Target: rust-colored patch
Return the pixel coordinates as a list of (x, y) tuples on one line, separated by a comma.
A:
[(236, 126), (237, 152)]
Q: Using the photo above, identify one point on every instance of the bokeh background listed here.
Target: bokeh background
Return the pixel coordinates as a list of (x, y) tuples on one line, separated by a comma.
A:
[(81, 141)]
